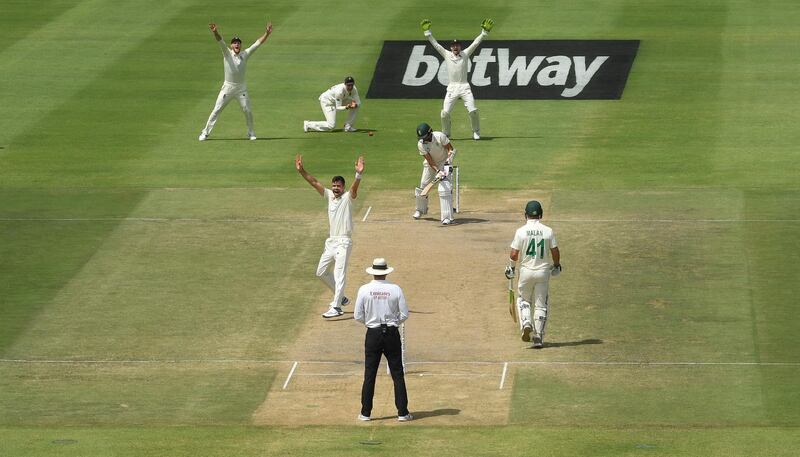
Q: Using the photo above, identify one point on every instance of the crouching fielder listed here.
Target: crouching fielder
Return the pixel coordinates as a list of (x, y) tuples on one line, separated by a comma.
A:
[(439, 154), (540, 260), (343, 96)]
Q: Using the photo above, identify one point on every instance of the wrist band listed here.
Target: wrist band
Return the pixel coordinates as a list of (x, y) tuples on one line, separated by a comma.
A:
[(358, 176)]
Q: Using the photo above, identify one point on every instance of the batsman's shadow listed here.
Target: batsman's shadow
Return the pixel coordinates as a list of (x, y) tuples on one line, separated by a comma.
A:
[(469, 220), (562, 344)]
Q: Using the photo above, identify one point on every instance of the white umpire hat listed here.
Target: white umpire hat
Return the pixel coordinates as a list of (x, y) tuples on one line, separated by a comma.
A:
[(379, 267)]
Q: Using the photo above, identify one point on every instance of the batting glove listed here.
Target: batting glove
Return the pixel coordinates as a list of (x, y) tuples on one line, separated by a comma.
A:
[(425, 25), (509, 271), (487, 25), (556, 270)]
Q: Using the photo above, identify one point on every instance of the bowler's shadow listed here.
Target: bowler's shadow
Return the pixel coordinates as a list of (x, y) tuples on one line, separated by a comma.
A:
[(563, 344)]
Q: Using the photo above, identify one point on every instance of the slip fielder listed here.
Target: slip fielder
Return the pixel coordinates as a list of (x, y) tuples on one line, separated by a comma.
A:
[(458, 82), (439, 154), (234, 87), (339, 243), (341, 97), (540, 260)]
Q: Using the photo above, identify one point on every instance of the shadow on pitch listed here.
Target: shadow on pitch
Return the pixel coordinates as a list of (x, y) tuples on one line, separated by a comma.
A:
[(571, 343), (248, 139), (457, 221), (492, 138), (423, 414)]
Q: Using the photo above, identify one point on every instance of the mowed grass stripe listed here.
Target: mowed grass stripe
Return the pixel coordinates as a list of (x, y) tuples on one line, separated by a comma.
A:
[(343, 440), (200, 290), (69, 54), (711, 396), (37, 260), (21, 22)]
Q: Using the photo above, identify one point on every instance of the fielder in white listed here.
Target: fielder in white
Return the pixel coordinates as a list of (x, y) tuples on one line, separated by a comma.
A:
[(343, 96), (339, 243), (458, 82), (234, 87), (540, 260), (439, 154)]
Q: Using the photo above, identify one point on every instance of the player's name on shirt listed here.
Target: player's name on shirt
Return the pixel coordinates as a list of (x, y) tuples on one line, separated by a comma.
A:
[(534, 232)]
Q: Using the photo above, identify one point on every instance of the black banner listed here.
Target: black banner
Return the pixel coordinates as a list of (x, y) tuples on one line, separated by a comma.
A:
[(506, 70)]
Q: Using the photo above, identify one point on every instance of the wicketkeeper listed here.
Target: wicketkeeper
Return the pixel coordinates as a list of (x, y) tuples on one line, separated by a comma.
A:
[(540, 260), (457, 62), (439, 154)]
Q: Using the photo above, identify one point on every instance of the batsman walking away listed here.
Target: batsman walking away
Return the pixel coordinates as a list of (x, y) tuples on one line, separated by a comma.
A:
[(339, 243), (235, 63), (457, 62), (540, 260)]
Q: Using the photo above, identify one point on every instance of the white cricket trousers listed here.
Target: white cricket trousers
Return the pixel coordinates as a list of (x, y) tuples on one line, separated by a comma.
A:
[(337, 252), (532, 288), (445, 190), (464, 92), (226, 95), (330, 119)]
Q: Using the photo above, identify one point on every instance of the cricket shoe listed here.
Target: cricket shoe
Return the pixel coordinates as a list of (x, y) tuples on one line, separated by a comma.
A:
[(350, 128), (537, 342), (447, 222), (202, 137), (345, 301), (334, 311), (417, 215), (405, 418), (476, 136), (527, 328), (252, 136), (305, 126), (364, 418)]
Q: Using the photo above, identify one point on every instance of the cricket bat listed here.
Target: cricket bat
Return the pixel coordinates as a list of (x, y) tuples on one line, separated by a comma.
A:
[(512, 307)]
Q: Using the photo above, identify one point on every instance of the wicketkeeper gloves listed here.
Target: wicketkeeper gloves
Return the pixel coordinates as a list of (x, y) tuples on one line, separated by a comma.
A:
[(425, 25), (487, 24)]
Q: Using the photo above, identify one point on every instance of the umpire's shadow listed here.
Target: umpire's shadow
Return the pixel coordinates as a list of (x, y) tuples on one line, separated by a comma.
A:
[(423, 414)]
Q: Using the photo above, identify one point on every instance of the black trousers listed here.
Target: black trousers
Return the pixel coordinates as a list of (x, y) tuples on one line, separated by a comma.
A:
[(386, 341)]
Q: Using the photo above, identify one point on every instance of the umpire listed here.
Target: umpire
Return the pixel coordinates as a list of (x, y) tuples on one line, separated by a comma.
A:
[(382, 307)]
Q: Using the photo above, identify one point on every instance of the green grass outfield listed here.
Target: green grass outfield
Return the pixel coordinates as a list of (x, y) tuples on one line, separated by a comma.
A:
[(119, 240)]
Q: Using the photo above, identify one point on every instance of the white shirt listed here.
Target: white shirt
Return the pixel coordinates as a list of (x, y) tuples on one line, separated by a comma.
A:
[(380, 302), (534, 241), (236, 64), (340, 213), (437, 148), (457, 66), (339, 97)]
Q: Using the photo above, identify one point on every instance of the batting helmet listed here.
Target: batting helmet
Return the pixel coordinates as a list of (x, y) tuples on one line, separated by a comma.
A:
[(423, 130), (533, 208)]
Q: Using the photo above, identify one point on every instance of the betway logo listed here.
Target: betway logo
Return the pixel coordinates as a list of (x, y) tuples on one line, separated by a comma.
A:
[(565, 69), (554, 73)]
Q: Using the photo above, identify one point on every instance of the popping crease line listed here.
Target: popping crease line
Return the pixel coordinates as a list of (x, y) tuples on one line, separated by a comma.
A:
[(357, 362)]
